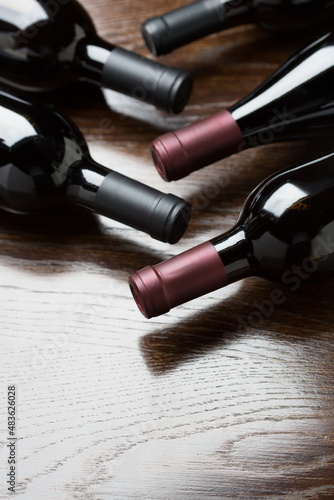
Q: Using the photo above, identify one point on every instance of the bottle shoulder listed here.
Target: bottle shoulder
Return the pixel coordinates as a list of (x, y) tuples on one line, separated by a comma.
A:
[(289, 216), (27, 117), (38, 152), (287, 15), (38, 42), (295, 95)]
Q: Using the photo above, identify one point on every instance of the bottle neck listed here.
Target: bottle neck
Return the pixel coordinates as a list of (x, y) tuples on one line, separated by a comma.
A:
[(235, 253), (191, 274), (192, 22), (85, 181), (131, 74), (92, 54), (163, 216)]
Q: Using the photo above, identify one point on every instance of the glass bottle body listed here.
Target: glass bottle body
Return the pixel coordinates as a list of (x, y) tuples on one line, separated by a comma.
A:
[(39, 42), (39, 152), (198, 19), (46, 44), (45, 164), (296, 102), (284, 15), (284, 233), (286, 224)]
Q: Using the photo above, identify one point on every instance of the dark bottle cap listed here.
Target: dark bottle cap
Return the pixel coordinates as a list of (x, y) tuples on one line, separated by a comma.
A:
[(157, 36), (182, 26), (165, 87), (164, 217)]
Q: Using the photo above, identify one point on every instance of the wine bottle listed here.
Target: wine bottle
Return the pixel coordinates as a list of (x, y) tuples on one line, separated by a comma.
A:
[(176, 28), (285, 233), (296, 102), (45, 164), (45, 44)]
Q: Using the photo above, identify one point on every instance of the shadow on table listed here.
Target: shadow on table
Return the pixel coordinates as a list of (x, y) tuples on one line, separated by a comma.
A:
[(112, 115), (72, 235), (240, 316)]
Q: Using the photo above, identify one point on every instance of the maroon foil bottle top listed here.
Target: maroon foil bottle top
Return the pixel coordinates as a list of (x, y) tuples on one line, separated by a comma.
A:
[(177, 154), (191, 274)]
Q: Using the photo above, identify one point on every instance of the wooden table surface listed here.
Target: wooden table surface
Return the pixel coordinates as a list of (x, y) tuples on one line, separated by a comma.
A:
[(211, 401)]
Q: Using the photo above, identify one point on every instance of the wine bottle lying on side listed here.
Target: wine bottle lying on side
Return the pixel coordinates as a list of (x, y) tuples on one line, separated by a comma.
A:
[(45, 44), (45, 164), (176, 28), (296, 102), (285, 233)]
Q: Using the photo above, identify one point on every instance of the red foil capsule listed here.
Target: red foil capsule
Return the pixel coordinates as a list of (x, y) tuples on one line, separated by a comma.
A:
[(193, 273), (177, 154)]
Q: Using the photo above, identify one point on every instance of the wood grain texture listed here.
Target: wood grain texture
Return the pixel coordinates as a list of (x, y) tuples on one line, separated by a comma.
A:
[(213, 400)]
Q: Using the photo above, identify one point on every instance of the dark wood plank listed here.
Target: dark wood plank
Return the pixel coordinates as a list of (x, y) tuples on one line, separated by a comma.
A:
[(224, 397)]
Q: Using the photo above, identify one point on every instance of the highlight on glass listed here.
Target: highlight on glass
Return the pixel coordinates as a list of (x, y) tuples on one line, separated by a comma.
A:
[(174, 29), (45, 164), (296, 102), (46, 45), (285, 231)]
